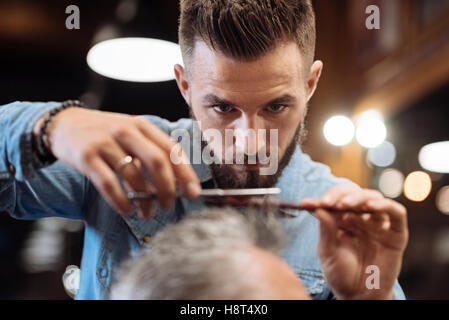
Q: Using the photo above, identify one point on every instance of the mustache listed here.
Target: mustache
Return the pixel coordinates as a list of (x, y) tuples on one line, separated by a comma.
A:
[(239, 157)]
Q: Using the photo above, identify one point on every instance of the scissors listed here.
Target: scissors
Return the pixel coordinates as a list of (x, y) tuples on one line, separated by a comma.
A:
[(252, 197), (251, 192)]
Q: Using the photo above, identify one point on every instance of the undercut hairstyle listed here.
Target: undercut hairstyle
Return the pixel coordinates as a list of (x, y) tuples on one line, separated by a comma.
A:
[(204, 256), (247, 29)]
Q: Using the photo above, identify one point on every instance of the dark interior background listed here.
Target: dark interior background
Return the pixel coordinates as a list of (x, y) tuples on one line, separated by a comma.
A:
[(407, 80)]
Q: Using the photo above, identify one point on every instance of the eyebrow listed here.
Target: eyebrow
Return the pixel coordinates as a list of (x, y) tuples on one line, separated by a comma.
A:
[(284, 99), (213, 99)]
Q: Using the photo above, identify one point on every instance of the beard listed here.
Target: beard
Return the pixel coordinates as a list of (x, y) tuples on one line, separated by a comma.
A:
[(226, 177)]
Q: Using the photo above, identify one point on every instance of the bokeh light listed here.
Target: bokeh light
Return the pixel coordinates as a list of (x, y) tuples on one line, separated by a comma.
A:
[(382, 155), (371, 131), (442, 200), (391, 182), (339, 130), (417, 186), (435, 157), (135, 59)]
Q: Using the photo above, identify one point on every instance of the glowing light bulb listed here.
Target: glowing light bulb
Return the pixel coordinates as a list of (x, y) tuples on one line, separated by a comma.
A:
[(339, 130), (391, 182), (371, 130), (382, 155), (442, 200), (135, 59), (417, 186), (435, 157)]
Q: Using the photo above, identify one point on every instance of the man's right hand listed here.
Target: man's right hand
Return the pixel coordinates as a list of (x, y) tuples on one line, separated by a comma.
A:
[(94, 142)]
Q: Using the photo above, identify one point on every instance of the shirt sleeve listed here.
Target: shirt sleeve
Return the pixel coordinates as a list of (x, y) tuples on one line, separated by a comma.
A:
[(27, 189), (398, 292)]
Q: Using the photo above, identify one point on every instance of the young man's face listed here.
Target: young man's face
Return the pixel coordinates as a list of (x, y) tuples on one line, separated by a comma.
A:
[(268, 93)]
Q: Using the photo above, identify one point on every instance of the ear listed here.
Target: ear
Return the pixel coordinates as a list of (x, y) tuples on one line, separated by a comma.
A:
[(181, 80), (314, 77)]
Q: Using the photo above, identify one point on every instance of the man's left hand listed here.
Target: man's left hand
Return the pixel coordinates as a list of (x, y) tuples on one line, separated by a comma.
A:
[(359, 228)]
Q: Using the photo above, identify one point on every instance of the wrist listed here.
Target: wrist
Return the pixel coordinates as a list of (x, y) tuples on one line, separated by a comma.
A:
[(44, 127), (48, 136)]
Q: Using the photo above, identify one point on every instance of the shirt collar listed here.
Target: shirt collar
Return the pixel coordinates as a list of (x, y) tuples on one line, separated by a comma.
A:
[(290, 180)]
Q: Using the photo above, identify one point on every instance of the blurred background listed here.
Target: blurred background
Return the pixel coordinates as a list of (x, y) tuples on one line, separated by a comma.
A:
[(381, 107)]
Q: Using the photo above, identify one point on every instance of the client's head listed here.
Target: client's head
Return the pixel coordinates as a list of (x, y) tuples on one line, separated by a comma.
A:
[(213, 254)]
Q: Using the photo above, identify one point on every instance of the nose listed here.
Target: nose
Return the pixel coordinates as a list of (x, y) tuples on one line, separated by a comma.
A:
[(250, 135)]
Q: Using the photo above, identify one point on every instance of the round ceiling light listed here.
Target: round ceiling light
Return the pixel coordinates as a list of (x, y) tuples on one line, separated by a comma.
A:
[(442, 200), (371, 130), (435, 157), (135, 59), (383, 155), (339, 130), (417, 186), (391, 182)]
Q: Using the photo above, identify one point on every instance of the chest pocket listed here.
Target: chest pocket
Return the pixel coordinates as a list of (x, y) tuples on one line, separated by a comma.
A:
[(314, 282)]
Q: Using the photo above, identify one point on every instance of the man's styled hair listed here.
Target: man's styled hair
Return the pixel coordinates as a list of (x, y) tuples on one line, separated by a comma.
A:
[(204, 256), (247, 29)]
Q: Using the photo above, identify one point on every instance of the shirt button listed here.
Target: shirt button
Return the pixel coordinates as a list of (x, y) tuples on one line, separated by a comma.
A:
[(147, 238), (12, 169)]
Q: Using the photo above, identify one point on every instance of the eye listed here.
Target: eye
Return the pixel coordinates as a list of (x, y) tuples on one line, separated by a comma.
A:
[(276, 108), (223, 108)]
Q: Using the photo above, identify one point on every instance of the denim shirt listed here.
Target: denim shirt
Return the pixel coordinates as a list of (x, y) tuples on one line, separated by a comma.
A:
[(29, 190)]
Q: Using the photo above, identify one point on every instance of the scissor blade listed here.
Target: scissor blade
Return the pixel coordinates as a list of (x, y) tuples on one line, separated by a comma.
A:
[(239, 192), (214, 193)]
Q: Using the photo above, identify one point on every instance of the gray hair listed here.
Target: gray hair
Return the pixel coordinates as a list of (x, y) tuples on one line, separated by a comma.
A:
[(204, 256)]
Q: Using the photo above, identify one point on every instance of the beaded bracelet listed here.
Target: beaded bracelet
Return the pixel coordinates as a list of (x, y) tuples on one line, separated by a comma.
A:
[(44, 154)]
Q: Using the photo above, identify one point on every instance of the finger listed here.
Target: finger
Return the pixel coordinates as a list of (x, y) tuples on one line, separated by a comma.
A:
[(396, 212), (155, 160), (185, 175), (365, 223), (328, 230), (330, 198), (310, 204), (104, 179), (356, 201), (380, 220), (376, 219), (347, 232), (350, 226), (131, 174), (357, 226)]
